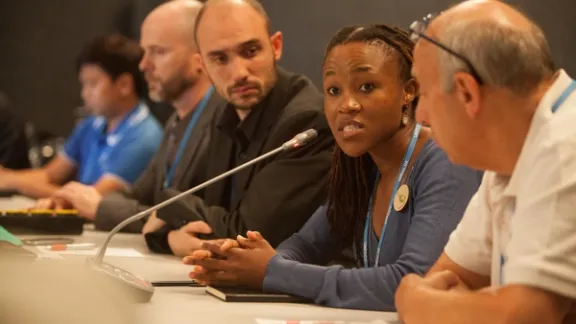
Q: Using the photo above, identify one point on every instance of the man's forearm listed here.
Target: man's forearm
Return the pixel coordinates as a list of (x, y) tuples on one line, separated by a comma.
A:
[(33, 183), (473, 280), (115, 208), (455, 307), (451, 307)]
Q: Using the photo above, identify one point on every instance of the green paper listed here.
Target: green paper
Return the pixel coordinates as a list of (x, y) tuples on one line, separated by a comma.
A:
[(7, 236)]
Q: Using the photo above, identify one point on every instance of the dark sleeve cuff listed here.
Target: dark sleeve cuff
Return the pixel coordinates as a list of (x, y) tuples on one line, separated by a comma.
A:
[(158, 241), (180, 212), (115, 208)]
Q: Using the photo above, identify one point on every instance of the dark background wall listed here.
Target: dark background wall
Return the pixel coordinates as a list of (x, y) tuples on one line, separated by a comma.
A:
[(309, 24), (39, 40)]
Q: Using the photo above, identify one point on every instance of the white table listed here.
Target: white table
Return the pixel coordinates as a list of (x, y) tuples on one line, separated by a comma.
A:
[(193, 305), (16, 202)]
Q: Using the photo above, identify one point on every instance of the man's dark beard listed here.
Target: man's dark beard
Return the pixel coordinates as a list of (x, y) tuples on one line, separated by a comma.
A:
[(174, 88)]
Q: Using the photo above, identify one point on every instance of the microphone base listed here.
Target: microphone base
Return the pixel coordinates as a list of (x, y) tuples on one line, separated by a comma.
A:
[(139, 290)]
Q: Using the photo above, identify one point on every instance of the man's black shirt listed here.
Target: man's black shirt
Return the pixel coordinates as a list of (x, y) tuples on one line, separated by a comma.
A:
[(276, 196)]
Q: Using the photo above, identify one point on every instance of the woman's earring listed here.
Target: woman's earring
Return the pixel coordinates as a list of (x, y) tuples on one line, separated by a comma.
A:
[(405, 116), (405, 119)]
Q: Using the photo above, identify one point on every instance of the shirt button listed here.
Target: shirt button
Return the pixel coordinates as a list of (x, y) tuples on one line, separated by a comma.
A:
[(242, 156)]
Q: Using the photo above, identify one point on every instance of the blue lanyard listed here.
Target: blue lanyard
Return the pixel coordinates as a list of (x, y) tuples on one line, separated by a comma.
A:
[(557, 104), (368, 224), (560, 101), (184, 141)]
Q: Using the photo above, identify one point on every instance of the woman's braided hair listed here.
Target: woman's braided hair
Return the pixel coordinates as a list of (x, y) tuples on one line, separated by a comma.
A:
[(352, 178)]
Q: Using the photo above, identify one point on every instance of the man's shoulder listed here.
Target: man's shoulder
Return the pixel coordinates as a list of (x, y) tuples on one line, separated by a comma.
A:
[(555, 128), (553, 143), (89, 125), (147, 127), (303, 96), (561, 128)]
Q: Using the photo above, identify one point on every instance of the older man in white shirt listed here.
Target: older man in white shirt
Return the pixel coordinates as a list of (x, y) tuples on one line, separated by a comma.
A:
[(495, 102)]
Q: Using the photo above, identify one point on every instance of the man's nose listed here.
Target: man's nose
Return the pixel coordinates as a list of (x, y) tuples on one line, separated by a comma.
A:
[(144, 64), (239, 71)]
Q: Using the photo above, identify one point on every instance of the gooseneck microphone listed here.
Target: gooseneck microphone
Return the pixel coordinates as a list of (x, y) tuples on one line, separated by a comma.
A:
[(140, 289)]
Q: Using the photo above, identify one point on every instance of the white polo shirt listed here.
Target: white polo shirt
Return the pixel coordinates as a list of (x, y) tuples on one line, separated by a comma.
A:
[(522, 229)]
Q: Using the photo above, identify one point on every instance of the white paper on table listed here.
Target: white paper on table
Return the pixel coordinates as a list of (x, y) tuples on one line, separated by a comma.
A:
[(115, 252), (48, 256), (276, 321)]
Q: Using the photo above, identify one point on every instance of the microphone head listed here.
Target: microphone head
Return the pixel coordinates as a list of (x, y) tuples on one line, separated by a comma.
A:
[(301, 139), (305, 137)]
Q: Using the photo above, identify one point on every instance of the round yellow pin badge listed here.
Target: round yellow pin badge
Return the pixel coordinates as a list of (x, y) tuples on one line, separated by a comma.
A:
[(401, 198)]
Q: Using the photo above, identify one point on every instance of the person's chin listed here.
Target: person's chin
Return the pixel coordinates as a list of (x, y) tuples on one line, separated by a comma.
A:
[(352, 150), (246, 103), (156, 96), (97, 112)]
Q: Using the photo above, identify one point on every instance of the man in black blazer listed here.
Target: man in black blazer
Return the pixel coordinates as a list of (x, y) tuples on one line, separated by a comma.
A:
[(171, 65), (266, 106)]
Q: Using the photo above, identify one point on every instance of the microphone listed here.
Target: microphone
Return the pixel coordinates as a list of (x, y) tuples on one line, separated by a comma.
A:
[(300, 139), (141, 290)]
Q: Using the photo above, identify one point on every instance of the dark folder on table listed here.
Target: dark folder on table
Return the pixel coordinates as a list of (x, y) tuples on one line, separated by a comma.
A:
[(232, 294)]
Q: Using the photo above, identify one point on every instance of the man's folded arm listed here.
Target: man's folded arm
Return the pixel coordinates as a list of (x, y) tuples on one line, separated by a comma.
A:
[(121, 204)]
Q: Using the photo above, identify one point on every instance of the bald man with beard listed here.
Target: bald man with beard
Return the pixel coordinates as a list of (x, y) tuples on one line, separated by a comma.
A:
[(495, 102), (174, 73)]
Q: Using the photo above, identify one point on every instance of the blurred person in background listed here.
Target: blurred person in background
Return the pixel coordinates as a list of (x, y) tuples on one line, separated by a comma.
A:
[(110, 149), (174, 73), (13, 142)]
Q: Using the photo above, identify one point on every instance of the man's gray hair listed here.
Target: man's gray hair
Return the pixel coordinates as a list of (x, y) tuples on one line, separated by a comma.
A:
[(504, 56)]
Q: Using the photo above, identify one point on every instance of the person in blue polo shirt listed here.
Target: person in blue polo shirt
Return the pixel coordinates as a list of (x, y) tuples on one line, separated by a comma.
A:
[(110, 149)]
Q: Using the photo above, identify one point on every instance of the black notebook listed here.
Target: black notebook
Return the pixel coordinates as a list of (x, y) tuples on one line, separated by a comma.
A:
[(231, 294)]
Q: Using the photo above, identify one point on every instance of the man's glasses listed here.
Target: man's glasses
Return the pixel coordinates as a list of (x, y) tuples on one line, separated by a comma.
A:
[(417, 30)]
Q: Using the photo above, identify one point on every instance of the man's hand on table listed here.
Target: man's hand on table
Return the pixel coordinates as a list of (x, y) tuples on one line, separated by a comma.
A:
[(184, 241), (153, 224), (81, 197)]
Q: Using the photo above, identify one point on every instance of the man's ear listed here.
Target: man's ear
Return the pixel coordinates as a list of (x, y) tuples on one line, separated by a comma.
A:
[(467, 92), (198, 62), (277, 41), (125, 84)]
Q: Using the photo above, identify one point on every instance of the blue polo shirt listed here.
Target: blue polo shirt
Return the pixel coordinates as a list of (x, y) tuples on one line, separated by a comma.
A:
[(124, 153)]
